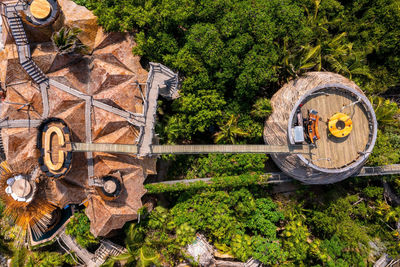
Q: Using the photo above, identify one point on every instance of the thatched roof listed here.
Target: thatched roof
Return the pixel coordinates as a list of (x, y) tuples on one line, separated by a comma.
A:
[(109, 74)]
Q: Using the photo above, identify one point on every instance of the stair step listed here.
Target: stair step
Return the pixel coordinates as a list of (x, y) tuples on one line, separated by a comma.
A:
[(35, 75), (44, 79), (27, 63), (30, 70)]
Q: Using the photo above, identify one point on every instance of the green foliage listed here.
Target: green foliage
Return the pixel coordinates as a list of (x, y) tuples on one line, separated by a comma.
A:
[(233, 55), (19, 257), (66, 41), (79, 227), (342, 224), (262, 108), (383, 153), (269, 253), (373, 192), (45, 259), (24, 258), (216, 165), (236, 52), (385, 111), (215, 182), (241, 247), (264, 218), (229, 131), (225, 217), (220, 215), (334, 253), (295, 241), (195, 114)]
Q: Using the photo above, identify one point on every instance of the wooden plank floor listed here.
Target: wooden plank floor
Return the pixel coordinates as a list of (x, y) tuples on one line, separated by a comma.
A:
[(333, 152)]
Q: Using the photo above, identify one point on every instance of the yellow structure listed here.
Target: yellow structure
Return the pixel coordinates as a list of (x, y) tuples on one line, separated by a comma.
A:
[(40, 9), (47, 148), (340, 125)]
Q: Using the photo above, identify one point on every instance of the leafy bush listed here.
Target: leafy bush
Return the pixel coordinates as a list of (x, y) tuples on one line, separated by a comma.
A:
[(215, 165), (383, 152), (264, 218), (79, 227), (295, 242), (66, 41), (385, 111), (45, 259), (262, 108)]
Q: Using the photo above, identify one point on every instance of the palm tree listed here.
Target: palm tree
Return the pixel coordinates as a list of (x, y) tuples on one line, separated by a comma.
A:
[(385, 111), (230, 131), (323, 52), (137, 253), (262, 108), (66, 41)]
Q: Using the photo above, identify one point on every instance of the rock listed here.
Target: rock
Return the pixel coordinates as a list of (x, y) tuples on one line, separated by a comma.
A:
[(201, 251), (376, 249), (388, 193), (383, 261), (253, 263), (3, 261)]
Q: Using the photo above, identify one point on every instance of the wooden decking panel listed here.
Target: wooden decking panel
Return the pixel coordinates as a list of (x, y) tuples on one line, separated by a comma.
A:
[(332, 152)]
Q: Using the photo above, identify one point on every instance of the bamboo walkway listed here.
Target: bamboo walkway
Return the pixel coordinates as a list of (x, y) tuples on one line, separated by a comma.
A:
[(105, 250), (80, 252), (158, 79), (280, 177), (187, 149)]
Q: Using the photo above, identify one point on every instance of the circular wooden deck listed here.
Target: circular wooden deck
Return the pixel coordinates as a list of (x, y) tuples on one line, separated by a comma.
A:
[(40, 9), (332, 152)]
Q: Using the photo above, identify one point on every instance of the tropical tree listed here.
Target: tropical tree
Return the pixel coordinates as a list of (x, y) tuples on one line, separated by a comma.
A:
[(262, 108), (385, 111), (323, 51), (66, 41), (45, 259), (230, 131), (79, 227), (137, 253)]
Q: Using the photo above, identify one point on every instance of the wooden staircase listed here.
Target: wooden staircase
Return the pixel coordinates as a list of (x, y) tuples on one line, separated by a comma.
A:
[(14, 21)]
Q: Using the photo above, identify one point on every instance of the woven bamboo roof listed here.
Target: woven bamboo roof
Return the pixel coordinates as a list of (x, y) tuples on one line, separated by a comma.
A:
[(109, 75)]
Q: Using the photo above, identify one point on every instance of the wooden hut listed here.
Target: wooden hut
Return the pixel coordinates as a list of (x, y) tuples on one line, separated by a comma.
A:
[(331, 158), (109, 75)]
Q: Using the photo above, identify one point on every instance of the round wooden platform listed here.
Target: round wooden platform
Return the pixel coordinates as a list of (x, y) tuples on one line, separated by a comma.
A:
[(332, 152), (40, 9)]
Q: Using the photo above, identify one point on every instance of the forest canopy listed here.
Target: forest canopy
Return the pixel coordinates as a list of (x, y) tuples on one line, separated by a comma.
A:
[(232, 53)]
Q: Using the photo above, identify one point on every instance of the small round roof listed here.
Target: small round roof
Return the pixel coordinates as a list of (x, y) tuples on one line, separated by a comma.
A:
[(21, 188), (40, 9), (110, 186)]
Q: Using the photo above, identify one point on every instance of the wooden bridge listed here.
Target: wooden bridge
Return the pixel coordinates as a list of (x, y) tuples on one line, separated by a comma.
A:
[(188, 149), (280, 177)]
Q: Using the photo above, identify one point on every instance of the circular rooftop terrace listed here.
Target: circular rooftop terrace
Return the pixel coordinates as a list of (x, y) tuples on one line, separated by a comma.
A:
[(334, 154), (331, 158)]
